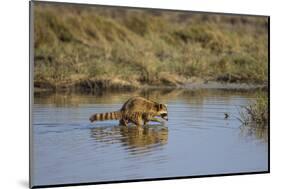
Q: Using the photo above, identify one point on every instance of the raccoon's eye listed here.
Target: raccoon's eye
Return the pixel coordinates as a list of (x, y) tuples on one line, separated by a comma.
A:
[(163, 106)]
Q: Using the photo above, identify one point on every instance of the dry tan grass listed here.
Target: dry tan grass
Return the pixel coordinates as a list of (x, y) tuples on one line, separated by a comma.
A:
[(78, 45)]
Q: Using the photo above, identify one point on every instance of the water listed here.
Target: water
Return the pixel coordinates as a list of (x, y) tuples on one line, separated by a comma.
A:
[(197, 139)]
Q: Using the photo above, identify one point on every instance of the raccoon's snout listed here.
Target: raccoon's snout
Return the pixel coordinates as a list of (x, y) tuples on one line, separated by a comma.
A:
[(91, 119), (165, 116)]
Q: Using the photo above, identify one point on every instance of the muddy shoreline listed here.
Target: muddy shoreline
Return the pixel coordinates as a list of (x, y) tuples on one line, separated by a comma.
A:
[(87, 86)]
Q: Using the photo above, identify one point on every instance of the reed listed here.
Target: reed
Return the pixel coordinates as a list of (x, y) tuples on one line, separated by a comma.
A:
[(256, 113)]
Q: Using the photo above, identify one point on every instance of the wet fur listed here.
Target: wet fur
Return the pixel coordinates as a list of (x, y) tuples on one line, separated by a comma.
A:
[(139, 118), (137, 110)]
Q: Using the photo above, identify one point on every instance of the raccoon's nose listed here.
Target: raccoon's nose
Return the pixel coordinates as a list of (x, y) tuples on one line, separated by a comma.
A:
[(91, 119)]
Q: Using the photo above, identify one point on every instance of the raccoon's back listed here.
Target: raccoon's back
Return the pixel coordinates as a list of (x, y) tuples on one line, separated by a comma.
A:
[(138, 104)]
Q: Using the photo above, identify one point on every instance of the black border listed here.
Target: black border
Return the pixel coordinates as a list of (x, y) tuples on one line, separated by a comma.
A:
[(268, 90), (134, 180)]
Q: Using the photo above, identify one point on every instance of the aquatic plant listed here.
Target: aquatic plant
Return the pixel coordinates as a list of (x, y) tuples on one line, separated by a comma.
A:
[(256, 113)]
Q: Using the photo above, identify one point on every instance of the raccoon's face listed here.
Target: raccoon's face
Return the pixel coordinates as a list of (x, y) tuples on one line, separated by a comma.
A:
[(162, 111)]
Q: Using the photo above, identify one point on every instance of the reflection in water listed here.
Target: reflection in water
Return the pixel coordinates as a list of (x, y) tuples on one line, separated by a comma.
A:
[(258, 132), (136, 138), (190, 96)]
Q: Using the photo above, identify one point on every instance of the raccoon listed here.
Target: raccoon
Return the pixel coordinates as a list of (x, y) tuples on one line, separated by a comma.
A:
[(140, 118), (137, 110)]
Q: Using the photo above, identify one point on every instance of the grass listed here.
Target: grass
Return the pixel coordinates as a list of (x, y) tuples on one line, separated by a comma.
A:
[(256, 113), (96, 48)]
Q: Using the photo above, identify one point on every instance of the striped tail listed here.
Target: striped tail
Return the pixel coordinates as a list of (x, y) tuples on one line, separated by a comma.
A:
[(106, 116)]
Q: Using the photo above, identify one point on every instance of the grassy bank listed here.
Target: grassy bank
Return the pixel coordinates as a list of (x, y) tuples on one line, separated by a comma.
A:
[(97, 48)]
